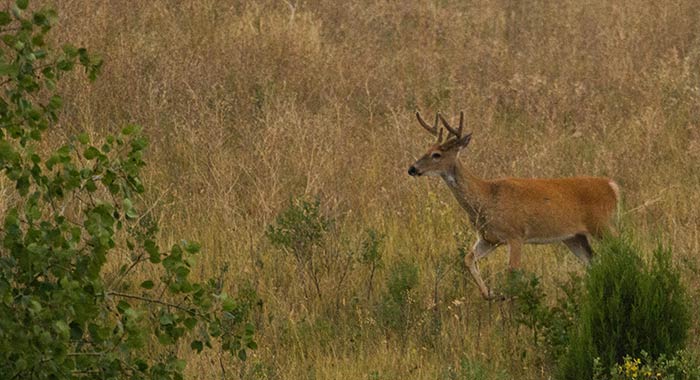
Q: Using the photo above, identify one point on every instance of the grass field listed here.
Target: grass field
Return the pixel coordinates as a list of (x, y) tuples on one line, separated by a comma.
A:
[(249, 104)]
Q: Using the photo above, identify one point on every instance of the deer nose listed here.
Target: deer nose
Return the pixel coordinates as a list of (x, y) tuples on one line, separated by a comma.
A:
[(412, 171)]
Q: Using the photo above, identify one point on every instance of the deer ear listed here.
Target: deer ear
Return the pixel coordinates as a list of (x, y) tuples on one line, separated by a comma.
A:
[(464, 140)]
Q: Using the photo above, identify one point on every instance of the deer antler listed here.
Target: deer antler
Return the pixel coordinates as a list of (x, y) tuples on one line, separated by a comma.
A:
[(457, 133), (434, 129)]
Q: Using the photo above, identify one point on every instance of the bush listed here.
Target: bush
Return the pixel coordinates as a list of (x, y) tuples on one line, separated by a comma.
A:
[(321, 251), (551, 326), (64, 313), (627, 307), (622, 308), (371, 255), (300, 230), (397, 308)]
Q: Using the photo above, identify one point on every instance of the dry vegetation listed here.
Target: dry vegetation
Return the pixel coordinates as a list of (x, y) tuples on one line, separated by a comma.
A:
[(248, 104)]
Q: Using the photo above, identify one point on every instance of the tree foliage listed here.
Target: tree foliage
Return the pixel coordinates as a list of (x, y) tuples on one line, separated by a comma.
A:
[(74, 212)]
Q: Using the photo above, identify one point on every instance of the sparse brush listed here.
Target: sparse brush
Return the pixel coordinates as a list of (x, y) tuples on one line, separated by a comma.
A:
[(371, 255), (397, 309)]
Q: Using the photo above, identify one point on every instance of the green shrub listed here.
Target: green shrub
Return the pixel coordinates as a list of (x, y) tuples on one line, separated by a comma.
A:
[(299, 229), (623, 306), (627, 307), (403, 278), (397, 308), (371, 255), (321, 251), (551, 326)]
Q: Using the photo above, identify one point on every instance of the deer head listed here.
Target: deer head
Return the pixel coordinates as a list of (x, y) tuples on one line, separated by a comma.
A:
[(442, 156)]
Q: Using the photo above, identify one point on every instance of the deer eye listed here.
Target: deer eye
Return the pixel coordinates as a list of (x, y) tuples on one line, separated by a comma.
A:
[(436, 155)]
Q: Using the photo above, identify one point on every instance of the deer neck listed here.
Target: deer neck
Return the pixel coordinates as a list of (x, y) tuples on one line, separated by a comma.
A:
[(469, 190)]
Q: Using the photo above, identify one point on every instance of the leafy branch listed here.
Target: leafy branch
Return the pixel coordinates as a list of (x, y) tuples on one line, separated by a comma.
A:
[(74, 208)]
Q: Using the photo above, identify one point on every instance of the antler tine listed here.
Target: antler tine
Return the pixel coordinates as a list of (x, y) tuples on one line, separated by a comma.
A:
[(450, 129), (439, 140), (433, 130)]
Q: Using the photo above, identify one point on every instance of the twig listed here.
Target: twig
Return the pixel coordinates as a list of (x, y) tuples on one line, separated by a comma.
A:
[(650, 202), (292, 9), (153, 300), (123, 276)]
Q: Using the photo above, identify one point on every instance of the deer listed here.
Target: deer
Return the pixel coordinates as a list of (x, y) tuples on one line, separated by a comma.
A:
[(513, 212)]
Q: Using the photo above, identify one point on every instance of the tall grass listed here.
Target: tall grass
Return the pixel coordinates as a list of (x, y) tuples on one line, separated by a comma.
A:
[(250, 103)]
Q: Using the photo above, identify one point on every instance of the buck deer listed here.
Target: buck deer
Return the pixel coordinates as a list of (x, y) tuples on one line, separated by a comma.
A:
[(518, 211)]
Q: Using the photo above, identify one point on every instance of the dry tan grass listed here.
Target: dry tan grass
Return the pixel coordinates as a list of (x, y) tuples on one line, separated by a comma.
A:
[(250, 103)]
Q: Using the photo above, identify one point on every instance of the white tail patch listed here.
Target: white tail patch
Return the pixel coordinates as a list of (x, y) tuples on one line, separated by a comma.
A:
[(615, 188)]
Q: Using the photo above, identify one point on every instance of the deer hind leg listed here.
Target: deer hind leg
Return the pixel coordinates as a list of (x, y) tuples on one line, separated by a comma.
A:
[(604, 230), (480, 250), (514, 249), (580, 247)]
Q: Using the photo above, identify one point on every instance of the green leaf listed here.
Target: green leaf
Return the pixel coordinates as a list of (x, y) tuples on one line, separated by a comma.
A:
[(62, 328), (7, 152), (23, 185), (22, 4), (129, 129), (166, 319), (141, 365), (242, 355), (65, 65), (152, 250), (91, 152), (192, 247), (55, 102), (122, 306), (76, 331), (139, 143), (5, 18), (148, 284), (180, 365), (8, 69), (190, 323), (90, 186), (70, 50), (197, 345), (249, 329), (129, 209), (165, 339), (228, 304), (83, 138), (215, 329), (182, 271)]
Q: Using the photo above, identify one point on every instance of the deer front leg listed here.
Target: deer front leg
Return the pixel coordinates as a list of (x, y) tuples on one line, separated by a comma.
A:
[(480, 250)]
